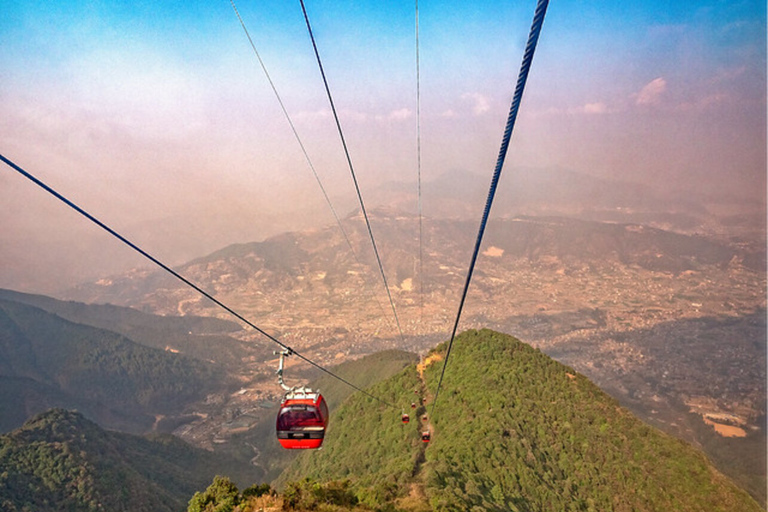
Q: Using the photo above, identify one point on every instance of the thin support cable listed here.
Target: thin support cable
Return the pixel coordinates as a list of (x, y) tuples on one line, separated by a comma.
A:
[(178, 276), (288, 118), (303, 149), (351, 168), (530, 48), (418, 170)]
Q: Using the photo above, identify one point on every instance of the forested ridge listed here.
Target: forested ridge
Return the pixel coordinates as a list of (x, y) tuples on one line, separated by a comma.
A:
[(47, 361), (362, 372), (513, 430), (201, 338), (60, 461)]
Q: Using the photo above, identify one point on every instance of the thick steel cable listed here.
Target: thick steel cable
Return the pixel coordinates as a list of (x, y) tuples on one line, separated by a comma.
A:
[(303, 149), (178, 276), (530, 48), (351, 167)]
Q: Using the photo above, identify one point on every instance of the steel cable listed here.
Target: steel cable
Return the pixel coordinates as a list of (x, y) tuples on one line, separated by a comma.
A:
[(178, 276), (351, 167), (303, 149), (530, 48)]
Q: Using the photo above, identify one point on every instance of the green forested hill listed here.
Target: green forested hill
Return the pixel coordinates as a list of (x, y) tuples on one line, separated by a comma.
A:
[(46, 361), (513, 430), (361, 372), (198, 337), (61, 461)]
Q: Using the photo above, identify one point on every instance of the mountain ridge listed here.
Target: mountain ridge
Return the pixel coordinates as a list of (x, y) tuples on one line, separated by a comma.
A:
[(514, 430), (202, 338), (279, 261), (62, 363), (59, 460)]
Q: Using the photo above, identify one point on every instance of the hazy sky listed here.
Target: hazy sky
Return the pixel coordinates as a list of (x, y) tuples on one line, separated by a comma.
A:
[(156, 117)]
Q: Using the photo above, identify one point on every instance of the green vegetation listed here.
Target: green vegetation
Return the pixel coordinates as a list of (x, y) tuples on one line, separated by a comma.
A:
[(367, 443), (197, 337), (54, 362), (535, 435), (514, 430), (742, 459), (310, 495), (223, 496), (62, 461), (362, 372), (307, 495)]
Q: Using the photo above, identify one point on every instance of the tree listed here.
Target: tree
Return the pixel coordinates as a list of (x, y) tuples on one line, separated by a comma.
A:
[(221, 496)]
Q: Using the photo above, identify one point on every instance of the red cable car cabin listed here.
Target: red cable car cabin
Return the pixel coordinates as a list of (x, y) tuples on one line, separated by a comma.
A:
[(302, 419)]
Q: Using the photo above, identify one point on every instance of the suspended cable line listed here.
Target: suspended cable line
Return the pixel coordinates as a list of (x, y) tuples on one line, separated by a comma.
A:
[(290, 121), (180, 277), (418, 169), (351, 167), (530, 47), (303, 149)]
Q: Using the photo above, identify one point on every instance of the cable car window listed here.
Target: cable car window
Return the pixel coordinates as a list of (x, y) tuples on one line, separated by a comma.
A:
[(299, 416)]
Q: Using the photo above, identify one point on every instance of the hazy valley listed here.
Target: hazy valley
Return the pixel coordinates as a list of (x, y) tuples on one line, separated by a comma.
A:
[(663, 308), (668, 315)]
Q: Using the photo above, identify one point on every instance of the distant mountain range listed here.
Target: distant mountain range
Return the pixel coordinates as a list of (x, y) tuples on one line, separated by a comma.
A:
[(457, 194), (453, 194), (289, 262)]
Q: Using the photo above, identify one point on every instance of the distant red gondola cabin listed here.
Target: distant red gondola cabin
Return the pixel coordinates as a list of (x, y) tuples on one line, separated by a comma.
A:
[(302, 420), (425, 436), (406, 418)]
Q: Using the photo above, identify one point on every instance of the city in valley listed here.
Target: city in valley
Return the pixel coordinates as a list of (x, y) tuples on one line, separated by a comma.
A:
[(671, 324)]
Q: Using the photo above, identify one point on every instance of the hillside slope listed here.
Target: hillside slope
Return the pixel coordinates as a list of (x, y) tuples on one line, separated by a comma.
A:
[(363, 372), (513, 430), (46, 361), (202, 338), (62, 461)]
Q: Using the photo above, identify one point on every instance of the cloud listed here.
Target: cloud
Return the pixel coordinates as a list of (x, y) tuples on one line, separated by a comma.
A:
[(325, 114), (141, 91), (706, 102), (590, 109), (397, 115), (595, 108), (403, 113), (652, 92), (480, 105), (313, 115)]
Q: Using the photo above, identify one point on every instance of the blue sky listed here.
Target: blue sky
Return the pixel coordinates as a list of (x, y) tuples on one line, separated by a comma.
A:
[(158, 110)]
